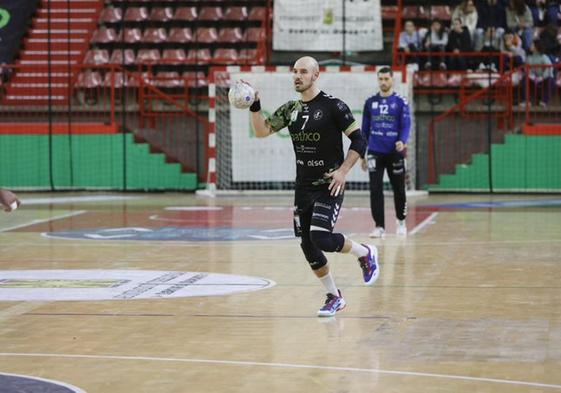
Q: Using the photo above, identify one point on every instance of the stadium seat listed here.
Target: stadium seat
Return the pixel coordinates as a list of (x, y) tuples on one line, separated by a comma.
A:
[(230, 35), (104, 35), (389, 11), (210, 13), (120, 56), (131, 36), (168, 79), (441, 12), (185, 13), (235, 13), (195, 79), (257, 13), (89, 79), (173, 56), (159, 14), (254, 34), (180, 35), (199, 56), (558, 80), (111, 15), (206, 35), (412, 12), (136, 14), (97, 57), (148, 56), (250, 56), (119, 80), (154, 35), (225, 56)]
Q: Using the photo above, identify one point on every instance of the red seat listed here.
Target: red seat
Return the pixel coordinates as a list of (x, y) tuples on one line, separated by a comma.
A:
[(119, 80), (235, 13), (254, 34), (225, 56), (136, 14), (97, 57), (410, 12), (173, 56), (155, 35), (230, 35), (180, 35), (104, 35), (120, 56), (186, 13), (250, 56), (389, 11), (558, 80), (199, 56), (131, 36), (148, 56), (110, 15), (206, 35), (89, 79), (210, 13), (257, 13), (195, 79), (168, 79), (441, 12), (160, 14)]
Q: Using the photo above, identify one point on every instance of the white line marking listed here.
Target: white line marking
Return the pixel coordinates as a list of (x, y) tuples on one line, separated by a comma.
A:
[(288, 365), (63, 384), (33, 222), (424, 223), (97, 198)]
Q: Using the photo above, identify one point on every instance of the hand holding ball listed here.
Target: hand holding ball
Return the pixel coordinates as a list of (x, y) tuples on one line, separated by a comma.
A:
[(241, 95)]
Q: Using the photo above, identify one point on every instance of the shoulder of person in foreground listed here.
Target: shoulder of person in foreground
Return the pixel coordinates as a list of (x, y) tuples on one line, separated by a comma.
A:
[(283, 115)]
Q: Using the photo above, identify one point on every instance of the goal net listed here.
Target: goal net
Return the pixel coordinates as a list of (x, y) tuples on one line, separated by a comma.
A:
[(238, 160)]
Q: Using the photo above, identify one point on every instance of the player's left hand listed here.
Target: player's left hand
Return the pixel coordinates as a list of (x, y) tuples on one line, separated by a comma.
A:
[(337, 184), (399, 146)]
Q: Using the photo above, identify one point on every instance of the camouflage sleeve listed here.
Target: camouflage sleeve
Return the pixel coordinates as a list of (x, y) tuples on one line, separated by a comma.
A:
[(282, 116)]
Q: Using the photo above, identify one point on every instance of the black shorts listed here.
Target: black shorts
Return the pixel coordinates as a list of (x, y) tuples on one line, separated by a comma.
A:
[(316, 209)]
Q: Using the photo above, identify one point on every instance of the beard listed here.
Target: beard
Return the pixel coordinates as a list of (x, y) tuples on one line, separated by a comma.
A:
[(302, 87)]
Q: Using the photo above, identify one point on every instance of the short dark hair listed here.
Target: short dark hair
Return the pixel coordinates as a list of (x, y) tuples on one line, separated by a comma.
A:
[(385, 70)]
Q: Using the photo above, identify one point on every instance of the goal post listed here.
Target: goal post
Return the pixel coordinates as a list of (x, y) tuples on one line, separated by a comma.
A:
[(239, 161)]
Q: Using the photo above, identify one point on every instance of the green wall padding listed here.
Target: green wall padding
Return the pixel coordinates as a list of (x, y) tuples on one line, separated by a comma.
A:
[(96, 162), (521, 163)]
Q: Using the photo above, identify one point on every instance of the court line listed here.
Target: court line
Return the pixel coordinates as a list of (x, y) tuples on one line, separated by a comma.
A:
[(424, 223), (34, 222), (287, 365)]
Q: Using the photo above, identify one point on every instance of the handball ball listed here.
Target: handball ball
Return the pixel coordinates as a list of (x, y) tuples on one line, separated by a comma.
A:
[(241, 95)]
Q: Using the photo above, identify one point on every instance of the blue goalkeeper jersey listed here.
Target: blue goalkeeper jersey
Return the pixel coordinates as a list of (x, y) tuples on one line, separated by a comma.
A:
[(386, 120)]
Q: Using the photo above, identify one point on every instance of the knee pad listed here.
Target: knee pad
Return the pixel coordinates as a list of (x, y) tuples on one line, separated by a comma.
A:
[(327, 241), (313, 255)]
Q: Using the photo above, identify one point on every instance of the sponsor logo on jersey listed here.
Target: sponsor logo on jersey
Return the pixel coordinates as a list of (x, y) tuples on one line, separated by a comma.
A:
[(314, 163), (375, 105), (294, 115), (318, 114), (306, 136), (299, 162)]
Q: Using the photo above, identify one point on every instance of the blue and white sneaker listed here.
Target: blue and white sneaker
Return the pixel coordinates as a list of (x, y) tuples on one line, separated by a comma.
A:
[(332, 305), (369, 265)]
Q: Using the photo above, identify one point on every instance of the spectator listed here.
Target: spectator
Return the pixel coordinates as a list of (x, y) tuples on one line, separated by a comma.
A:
[(410, 41), (540, 75), (458, 41), (544, 11), (490, 42), (511, 45), (519, 19), (491, 15), (435, 40), (549, 42), (467, 13)]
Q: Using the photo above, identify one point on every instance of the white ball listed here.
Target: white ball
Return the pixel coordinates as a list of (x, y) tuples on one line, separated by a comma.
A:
[(14, 205), (241, 95)]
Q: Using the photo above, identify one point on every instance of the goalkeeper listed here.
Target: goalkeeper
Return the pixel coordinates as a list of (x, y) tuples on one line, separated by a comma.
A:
[(315, 123)]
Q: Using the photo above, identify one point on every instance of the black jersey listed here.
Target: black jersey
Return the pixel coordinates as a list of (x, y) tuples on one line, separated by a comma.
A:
[(315, 129)]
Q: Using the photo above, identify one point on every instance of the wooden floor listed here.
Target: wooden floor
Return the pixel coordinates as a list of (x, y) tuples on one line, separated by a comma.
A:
[(470, 301)]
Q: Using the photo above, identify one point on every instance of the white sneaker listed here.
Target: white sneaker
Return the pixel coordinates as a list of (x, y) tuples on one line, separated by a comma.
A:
[(401, 228), (378, 232)]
